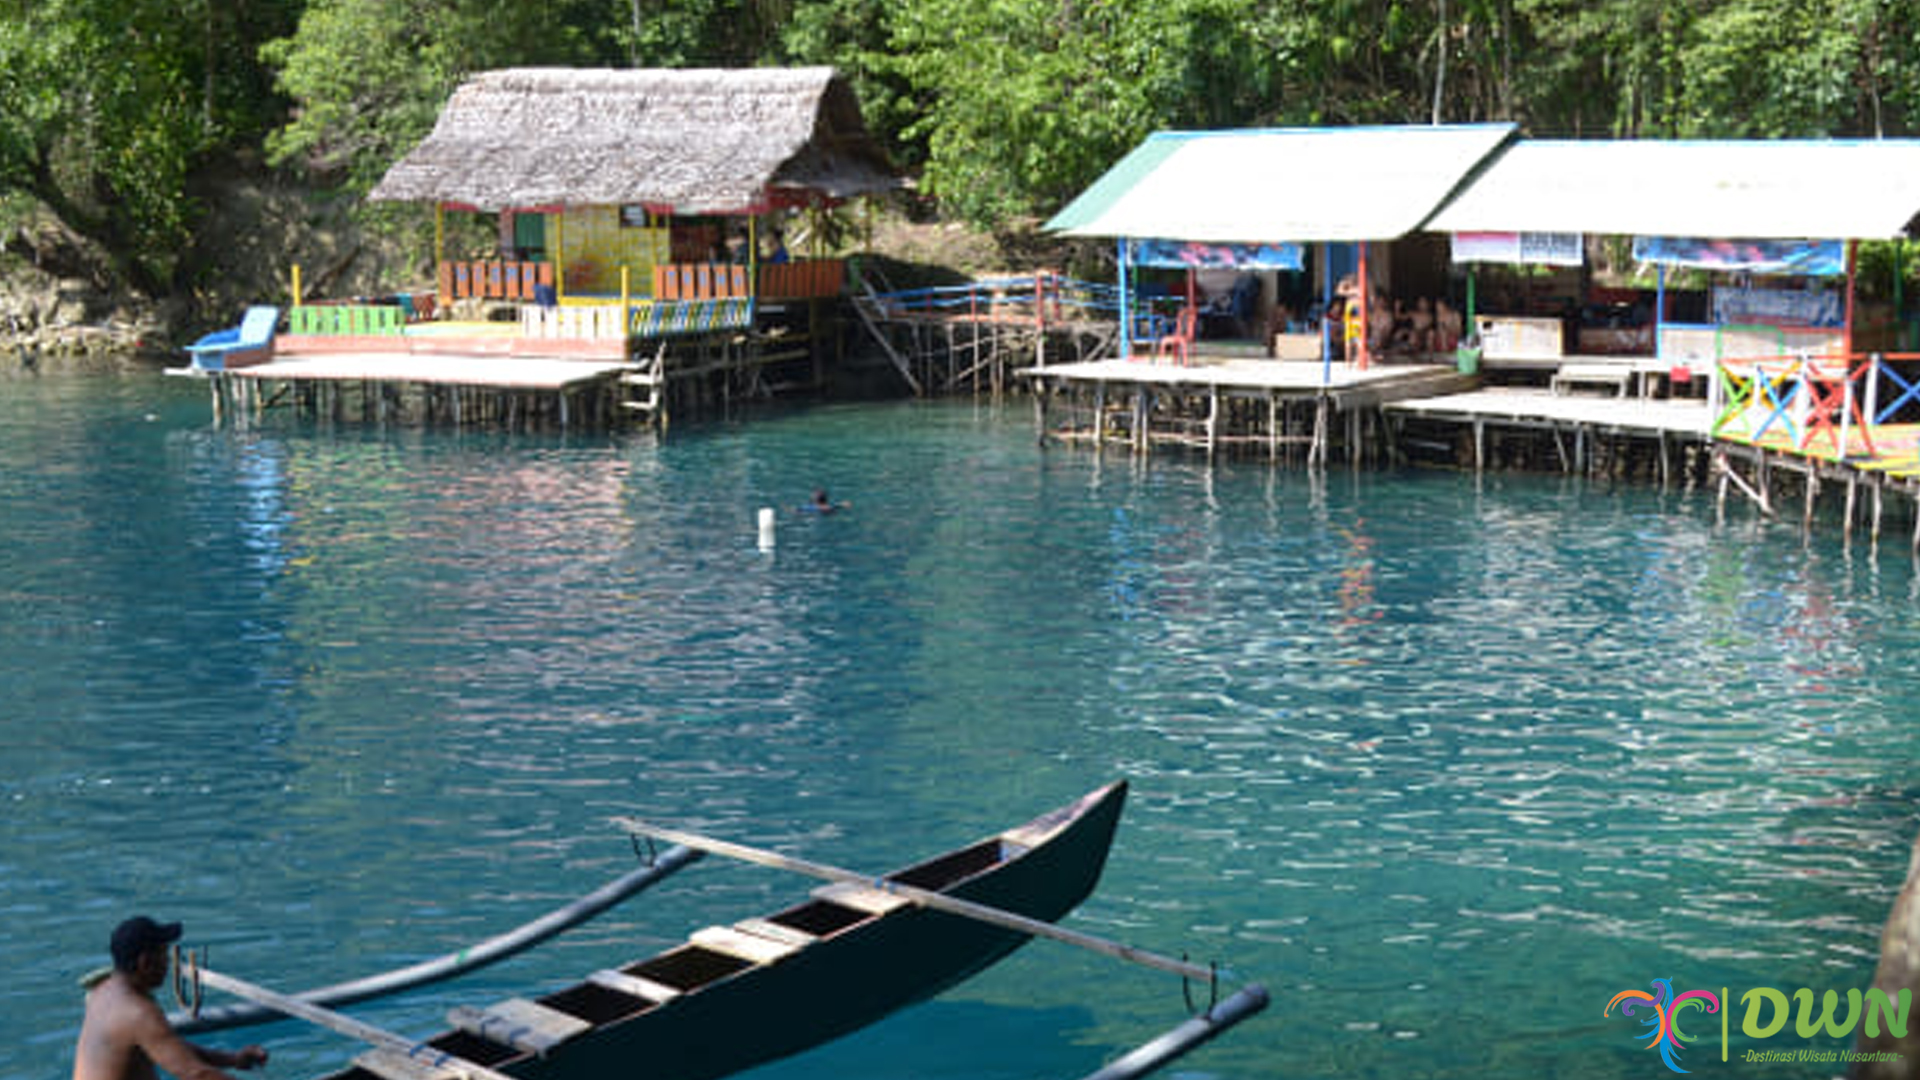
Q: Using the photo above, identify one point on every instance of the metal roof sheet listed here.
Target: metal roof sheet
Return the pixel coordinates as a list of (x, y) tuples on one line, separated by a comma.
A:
[(1276, 184), (1777, 189)]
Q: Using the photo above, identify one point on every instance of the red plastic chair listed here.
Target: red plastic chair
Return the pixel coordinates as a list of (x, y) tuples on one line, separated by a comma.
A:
[(1180, 340)]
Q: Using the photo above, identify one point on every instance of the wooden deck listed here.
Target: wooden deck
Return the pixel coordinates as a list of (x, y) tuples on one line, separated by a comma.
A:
[(493, 370), (1223, 400), (1685, 417), (1256, 375)]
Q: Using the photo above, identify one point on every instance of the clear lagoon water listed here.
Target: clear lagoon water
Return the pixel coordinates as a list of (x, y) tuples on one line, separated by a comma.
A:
[(1444, 762)]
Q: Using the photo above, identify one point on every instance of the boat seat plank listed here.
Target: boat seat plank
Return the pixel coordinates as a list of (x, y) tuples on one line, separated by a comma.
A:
[(859, 898), (1017, 842), (621, 982), (786, 935), (749, 947), (524, 1025), (394, 1065)]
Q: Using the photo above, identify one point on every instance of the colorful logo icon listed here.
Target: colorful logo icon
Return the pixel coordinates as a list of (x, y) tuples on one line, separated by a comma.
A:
[(1662, 1016)]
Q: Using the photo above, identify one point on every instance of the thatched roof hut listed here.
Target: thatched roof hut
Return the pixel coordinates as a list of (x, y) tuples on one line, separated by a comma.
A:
[(676, 141)]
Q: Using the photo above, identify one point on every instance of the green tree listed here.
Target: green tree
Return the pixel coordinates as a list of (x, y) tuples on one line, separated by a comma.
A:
[(107, 106), (1022, 102), (368, 77), (1772, 68)]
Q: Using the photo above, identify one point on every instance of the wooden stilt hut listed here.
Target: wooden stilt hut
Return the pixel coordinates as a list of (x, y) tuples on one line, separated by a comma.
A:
[(616, 191)]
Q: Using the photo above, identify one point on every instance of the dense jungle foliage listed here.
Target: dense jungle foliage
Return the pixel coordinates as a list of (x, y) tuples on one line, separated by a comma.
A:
[(999, 108)]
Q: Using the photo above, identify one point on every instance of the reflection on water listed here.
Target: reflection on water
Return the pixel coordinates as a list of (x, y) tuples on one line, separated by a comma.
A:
[(1445, 761)]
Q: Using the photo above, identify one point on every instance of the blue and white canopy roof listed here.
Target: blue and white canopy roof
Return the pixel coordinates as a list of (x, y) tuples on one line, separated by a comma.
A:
[(1282, 184), (1380, 183), (1819, 189)]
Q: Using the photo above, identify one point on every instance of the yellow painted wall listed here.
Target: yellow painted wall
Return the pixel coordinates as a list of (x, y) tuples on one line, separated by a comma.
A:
[(593, 246)]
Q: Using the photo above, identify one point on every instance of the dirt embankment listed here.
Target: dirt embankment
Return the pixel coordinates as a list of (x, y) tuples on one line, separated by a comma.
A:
[(61, 305)]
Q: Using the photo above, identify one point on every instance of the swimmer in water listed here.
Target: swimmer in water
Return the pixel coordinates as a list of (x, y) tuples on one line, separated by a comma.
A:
[(821, 504)]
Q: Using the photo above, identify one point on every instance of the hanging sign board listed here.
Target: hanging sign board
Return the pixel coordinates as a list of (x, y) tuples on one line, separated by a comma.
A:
[(1778, 307), (1534, 248), (1191, 253)]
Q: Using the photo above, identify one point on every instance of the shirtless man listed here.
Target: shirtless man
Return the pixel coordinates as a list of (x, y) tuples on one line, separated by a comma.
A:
[(125, 1035)]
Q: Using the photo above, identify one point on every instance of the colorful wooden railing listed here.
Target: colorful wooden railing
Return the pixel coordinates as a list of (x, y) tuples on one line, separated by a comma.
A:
[(803, 279), (494, 279), (668, 318), (1817, 406), (643, 319), (345, 320), (699, 281), (800, 280)]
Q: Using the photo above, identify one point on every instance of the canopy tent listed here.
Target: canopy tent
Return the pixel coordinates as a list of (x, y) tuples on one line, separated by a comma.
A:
[(1774, 189), (1770, 207), (1299, 184), (1274, 188), (704, 141)]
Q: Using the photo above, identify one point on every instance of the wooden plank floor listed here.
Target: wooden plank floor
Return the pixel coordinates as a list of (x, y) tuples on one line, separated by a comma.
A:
[(443, 369), (1249, 373), (1516, 405)]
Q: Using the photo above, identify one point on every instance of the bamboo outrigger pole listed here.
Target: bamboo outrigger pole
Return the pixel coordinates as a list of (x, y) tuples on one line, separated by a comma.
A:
[(459, 962), (952, 905), (346, 1025)]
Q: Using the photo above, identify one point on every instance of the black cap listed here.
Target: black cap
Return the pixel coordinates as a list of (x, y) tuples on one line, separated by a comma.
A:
[(135, 937)]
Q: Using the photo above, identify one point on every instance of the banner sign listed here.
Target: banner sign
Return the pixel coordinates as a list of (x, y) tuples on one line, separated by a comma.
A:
[(1811, 257), (1191, 253), (1539, 249), (1778, 307)]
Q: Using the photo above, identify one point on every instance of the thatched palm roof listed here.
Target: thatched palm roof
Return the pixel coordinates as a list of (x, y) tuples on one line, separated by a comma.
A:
[(692, 141)]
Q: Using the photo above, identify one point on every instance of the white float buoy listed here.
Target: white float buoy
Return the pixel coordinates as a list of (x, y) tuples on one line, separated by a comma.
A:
[(766, 528)]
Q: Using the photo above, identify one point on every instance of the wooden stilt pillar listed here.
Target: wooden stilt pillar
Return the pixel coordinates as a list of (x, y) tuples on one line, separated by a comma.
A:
[(1722, 466), (1213, 420)]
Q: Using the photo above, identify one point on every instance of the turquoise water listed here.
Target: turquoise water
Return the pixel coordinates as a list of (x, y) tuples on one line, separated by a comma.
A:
[(1445, 763)]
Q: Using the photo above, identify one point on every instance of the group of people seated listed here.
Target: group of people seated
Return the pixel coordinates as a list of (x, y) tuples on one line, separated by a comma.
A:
[(1430, 326)]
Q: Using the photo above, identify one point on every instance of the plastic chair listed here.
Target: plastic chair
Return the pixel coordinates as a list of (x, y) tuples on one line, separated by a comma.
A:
[(1180, 341), (255, 332)]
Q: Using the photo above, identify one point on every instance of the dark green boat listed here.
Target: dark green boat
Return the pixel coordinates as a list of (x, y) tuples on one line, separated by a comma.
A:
[(736, 996)]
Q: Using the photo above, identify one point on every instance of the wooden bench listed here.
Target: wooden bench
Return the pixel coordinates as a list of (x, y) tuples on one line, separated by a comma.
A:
[(1617, 376)]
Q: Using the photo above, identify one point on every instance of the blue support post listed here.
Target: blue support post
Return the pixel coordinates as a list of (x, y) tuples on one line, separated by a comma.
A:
[(1659, 311)]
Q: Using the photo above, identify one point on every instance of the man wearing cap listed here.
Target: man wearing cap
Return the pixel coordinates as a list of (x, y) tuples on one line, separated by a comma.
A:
[(125, 1035)]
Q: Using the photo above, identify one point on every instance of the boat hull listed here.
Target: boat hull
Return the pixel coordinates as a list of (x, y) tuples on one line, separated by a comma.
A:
[(842, 980)]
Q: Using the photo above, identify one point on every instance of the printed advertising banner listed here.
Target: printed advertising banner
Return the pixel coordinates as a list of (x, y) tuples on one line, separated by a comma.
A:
[(1812, 257), (1190, 253), (1538, 249)]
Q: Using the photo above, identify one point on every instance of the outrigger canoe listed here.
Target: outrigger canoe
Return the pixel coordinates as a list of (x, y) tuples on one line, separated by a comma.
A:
[(736, 996)]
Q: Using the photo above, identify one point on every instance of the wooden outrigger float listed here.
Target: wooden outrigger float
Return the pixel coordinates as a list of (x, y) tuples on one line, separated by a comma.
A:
[(731, 997)]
